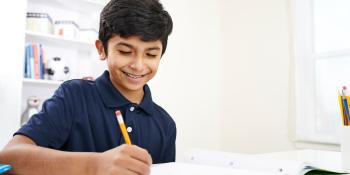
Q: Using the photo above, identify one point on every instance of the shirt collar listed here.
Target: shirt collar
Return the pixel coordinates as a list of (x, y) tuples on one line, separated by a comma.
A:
[(113, 98), (147, 102)]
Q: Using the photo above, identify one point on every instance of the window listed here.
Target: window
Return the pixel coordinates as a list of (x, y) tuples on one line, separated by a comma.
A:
[(322, 52)]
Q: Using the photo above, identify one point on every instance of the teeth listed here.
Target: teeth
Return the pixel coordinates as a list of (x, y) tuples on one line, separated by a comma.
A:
[(133, 76)]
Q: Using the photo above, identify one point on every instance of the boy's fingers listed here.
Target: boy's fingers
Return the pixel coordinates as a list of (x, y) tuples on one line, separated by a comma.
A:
[(136, 166), (139, 154)]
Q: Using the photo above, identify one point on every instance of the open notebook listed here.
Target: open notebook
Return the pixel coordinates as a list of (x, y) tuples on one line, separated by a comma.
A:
[(243, 162)]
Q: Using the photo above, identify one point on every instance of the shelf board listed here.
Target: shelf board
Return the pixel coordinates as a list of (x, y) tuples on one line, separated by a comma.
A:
[(41, 82), (82, 6), (58, 41)]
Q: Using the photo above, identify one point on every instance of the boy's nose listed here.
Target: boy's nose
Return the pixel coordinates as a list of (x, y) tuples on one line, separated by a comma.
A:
[(137, 64)]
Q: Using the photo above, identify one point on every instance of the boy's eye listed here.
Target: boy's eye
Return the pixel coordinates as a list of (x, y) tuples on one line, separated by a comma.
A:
[(124, 52), (151, 55)]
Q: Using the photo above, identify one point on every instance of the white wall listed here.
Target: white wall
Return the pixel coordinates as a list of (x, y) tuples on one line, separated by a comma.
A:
[(12, 18), (256, 76), (226, 76), (188, 82)]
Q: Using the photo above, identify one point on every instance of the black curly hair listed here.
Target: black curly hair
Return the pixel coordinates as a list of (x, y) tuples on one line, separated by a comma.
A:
[(144, 18)]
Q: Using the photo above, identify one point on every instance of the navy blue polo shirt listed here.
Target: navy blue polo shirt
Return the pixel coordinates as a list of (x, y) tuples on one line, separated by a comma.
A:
[(80, 117)]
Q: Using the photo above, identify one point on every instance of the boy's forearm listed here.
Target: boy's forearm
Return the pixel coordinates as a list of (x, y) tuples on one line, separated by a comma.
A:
[(33, 160)]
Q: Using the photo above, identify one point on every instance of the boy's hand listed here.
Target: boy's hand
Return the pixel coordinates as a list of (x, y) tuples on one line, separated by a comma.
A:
[(124, 160)]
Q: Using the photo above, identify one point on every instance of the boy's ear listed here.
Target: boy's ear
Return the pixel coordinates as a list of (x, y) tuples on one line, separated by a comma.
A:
[(100, 50)]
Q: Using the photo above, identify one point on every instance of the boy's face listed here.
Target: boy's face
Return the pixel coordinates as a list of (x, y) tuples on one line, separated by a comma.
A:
[(131, 61)]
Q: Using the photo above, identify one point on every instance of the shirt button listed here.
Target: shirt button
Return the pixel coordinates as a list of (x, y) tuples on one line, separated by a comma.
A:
[(129, 129), (132, 108)]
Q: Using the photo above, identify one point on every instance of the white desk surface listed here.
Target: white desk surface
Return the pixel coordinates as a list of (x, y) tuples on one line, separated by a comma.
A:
[(325, 159)]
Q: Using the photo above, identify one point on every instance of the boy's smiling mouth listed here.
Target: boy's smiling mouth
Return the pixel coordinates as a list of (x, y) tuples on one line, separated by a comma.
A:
[(133, 75)]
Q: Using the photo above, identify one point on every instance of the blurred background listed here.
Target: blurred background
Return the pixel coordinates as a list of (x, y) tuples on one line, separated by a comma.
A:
[(247, 76)]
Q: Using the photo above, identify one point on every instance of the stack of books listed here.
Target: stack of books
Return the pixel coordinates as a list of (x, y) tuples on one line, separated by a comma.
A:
[(34, 61)]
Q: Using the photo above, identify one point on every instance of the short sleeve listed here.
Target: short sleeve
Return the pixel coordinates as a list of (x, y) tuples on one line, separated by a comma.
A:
[(51, 126), (170, 150)]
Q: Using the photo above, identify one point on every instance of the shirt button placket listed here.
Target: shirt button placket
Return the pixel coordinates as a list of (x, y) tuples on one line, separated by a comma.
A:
[(130, 125)]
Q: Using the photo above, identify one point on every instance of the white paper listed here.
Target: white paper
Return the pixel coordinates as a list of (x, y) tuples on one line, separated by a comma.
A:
[(177, 168)]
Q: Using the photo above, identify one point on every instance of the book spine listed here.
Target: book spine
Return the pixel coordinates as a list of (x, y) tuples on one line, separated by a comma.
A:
[(43, 55), (36, 62), (28, 61), (25, 62), (31, 61), (41, 65)]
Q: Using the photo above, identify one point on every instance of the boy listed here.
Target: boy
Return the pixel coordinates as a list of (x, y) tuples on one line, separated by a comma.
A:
[(77, 131)]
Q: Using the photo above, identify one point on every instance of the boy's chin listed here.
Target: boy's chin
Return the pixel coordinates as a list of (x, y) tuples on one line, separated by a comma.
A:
[(135, 87)]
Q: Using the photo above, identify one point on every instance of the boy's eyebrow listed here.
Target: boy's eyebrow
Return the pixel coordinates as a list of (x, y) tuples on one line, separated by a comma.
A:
[(125, 44), (129, 45), (153, 48)]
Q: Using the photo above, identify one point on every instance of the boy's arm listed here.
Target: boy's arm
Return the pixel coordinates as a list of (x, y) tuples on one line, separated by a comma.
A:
[(26, 157), (170, 150)]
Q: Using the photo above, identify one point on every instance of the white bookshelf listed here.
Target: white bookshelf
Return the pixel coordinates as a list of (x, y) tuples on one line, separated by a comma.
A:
[(35, 82), (14, 88), (58, 41), (80, 56)]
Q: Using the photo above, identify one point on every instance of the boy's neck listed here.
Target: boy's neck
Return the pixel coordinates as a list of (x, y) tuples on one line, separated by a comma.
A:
[(132, 96)]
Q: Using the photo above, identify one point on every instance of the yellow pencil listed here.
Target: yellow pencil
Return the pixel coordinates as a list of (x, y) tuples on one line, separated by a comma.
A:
[(125, 134)]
